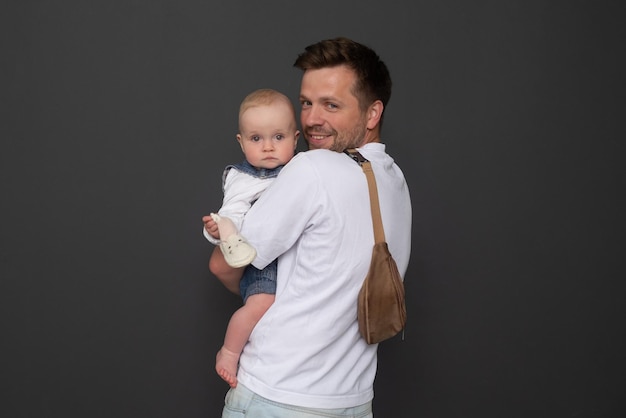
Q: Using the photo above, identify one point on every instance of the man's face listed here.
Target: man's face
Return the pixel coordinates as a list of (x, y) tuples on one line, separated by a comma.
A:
[(331, 117)]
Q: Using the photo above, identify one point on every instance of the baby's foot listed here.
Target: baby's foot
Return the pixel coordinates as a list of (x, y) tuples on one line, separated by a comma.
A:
[(226, 363), (237, 252)]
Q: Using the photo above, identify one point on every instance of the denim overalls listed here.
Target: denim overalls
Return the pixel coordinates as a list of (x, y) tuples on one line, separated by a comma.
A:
[(256, 281)]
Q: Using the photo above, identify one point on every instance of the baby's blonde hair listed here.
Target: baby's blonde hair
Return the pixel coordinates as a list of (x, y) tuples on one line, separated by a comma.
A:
[(264, 97)]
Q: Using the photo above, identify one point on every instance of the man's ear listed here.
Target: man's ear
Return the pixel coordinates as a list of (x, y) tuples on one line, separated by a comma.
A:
[(374, 113)]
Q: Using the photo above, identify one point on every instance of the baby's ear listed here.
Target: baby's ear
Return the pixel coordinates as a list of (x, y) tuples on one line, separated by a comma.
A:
[(295, 137), (240, 140)]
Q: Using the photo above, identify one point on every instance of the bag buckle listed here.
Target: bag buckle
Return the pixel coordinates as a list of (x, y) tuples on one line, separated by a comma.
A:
[(356, 156)]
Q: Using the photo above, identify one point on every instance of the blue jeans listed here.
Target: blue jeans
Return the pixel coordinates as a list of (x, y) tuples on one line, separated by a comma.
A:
[(242, 402), (256, 281)]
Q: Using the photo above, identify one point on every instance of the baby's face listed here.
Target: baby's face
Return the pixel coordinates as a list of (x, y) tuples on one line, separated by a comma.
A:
[(268, 135)]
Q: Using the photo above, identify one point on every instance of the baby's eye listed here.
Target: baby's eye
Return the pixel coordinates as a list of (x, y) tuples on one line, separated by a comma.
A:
[(255, 138), (279, 136)]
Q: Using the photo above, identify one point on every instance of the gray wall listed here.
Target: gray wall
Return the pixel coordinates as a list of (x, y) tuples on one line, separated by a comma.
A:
[(118, 118)]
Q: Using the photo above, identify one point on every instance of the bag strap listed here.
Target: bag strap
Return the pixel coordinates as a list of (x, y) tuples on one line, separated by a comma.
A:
[(379, 232)]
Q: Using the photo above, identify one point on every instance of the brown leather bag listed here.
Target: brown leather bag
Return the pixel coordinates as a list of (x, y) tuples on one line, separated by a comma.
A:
[(381, 306)]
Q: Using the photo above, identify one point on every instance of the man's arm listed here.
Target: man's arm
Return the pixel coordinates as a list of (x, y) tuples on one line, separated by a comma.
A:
[(228, 275)]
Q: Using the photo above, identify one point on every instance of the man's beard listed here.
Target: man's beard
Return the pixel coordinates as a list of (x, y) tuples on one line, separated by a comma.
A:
[(348, 139)]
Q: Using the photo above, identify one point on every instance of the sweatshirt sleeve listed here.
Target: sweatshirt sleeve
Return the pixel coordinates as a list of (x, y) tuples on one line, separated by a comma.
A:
[(284, 211)]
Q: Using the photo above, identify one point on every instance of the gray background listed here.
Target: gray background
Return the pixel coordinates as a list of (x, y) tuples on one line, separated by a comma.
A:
[(118, 118)]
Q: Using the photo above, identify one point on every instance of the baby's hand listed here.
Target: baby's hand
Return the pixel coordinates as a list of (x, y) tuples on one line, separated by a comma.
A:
[(210, 226)]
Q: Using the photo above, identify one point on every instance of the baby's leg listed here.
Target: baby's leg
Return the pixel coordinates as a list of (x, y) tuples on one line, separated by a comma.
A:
[(237, 252), (224, 225), (239, 329)]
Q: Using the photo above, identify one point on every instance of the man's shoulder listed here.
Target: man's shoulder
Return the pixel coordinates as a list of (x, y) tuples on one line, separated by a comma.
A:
[(319, 153), (317, 164), (313, 158)]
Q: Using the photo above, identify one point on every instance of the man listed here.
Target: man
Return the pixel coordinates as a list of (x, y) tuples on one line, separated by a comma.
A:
[(305, 357)]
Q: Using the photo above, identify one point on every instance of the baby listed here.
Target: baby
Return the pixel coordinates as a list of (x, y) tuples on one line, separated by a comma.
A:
[(268, 137)]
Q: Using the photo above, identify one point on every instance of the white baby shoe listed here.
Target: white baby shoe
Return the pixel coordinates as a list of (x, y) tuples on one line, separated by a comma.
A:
[(237, 252)]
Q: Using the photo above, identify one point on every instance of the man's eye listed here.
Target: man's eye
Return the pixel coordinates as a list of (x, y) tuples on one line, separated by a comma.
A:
[(305, 103), (331, 106)]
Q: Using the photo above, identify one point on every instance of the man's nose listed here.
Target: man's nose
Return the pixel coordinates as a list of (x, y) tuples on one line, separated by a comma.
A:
[(312, 116)]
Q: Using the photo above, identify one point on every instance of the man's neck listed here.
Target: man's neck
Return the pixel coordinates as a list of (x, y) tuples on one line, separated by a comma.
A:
[(371, 136)]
